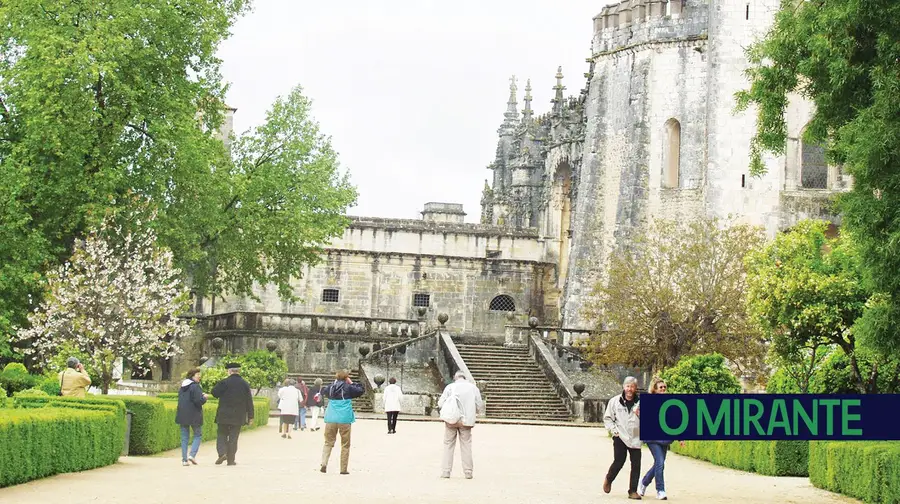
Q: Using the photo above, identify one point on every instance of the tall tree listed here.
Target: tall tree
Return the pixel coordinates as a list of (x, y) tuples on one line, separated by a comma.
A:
[(118, 297), (844, 56), (110, 107), (805, 292), (679, 290)]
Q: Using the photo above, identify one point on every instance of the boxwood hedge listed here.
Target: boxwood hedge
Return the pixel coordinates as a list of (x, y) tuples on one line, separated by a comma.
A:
[(773, 458), (867, 470), (39, 442)]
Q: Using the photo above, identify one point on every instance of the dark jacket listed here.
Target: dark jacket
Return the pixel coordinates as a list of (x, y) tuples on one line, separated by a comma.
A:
[(304, 391), (311, 401), (190, 404), (343, 390), (235, 401)]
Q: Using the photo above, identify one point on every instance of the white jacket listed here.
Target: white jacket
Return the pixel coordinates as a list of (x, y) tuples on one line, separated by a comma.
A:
[(289, 399), (392, 398), (623, 423), (469, 400)]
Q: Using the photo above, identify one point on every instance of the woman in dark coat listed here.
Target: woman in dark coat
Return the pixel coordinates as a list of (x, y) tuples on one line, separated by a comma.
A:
[(190, 415)]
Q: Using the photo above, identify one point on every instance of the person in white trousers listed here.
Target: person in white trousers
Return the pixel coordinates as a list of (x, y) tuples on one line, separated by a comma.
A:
[(314, 402)]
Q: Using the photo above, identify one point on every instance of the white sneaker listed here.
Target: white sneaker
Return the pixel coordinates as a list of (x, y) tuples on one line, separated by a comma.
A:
[(642, 488), (661, 495)]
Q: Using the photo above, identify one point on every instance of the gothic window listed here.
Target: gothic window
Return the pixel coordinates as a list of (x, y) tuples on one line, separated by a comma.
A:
[(671, 154), (422, 300), (330, 295), (503, 303), (813, 167)]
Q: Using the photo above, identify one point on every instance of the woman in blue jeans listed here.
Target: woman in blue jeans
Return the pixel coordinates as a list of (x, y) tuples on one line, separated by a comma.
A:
[(658, 449), (190, 415)]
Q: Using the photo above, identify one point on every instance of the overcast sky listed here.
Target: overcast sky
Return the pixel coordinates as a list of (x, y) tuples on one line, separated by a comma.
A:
[(411, 91)]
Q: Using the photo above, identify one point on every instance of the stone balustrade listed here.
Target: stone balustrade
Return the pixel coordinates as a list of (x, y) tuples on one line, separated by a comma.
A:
[(633, 22), (305, 323), (517, 335)]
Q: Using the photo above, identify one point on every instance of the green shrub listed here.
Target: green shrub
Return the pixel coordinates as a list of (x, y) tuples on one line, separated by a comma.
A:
[(260, 368), (2, 397), (701, 374), (169, 396), (15, 378), (31, 392), (35, 443), (773, 458), (867, 470), (49, 384)]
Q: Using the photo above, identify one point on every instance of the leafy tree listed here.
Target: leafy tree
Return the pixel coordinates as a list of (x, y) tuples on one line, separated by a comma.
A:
[(111, 302), (110, 106), (701, 374), (260, 368), (68, 349), (843, 56), (805, 293), (678, 291)]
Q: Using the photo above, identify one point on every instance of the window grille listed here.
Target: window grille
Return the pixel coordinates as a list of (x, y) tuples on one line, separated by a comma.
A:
[(813, 167), (422, 300), (503, 303), (330, 295)]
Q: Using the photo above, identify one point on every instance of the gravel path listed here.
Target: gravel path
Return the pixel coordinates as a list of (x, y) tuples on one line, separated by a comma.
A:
[(513, 464)]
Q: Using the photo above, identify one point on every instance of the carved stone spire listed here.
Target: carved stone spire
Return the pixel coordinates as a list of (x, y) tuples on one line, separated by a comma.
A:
[(527, 113), (512, 110), (558, 100)]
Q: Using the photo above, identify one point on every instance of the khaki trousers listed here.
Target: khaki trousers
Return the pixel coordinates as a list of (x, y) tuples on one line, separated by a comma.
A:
[(451, 433), (331, 432)]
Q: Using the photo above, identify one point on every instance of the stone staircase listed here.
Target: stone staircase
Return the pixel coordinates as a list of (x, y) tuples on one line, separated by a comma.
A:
[(517, 387), (361, 404)]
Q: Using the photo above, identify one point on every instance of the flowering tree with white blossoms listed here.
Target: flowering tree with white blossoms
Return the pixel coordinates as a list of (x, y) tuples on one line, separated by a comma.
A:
[(119, 296)]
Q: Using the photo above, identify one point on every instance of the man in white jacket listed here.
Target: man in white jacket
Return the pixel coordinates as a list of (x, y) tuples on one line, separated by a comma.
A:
[(459, 404), (622, 420), (393, 397)]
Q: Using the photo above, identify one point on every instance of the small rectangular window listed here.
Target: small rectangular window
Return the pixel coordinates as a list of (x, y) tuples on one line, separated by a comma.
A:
[(743, 180), (422, 300), (330, 295), (747, 12)]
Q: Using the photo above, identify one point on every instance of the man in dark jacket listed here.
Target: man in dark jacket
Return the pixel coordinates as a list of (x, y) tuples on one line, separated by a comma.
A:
[(235, 410), (189, 415)]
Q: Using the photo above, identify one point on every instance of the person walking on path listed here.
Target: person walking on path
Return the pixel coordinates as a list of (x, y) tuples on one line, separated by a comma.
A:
[(74, 380), (622, 421), (314, 402), (392, 396), (289, 399), (339, 417), (301, 417), (658, 449), (459, 404), (235, 410), (189, 415)]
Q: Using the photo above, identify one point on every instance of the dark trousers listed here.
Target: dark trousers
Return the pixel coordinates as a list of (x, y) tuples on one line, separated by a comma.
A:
[(620, 450), (392, 420), (227, 440)]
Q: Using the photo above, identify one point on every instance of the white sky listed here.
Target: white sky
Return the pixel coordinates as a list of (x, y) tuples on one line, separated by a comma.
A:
[(411, 91)]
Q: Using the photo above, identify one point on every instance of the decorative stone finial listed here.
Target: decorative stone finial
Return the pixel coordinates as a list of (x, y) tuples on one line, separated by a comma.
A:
[(271, 345), (527, 113), (443, 318), (364, 351), (579, 389), (533, 322), (379, 380), (558, 98), (217, 343)]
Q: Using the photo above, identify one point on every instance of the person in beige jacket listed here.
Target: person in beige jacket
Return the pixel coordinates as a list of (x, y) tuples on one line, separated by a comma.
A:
[(74, 381)]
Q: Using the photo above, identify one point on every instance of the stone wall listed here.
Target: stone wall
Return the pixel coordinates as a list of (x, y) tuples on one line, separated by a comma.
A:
[(385, 285)]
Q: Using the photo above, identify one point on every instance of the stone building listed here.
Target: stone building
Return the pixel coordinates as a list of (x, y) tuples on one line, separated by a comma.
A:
[(653, 133)]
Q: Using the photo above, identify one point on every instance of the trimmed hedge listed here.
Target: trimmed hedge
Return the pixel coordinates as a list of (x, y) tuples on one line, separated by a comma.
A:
[(36, 443), (153, 427), (773, 458), (867, 470)]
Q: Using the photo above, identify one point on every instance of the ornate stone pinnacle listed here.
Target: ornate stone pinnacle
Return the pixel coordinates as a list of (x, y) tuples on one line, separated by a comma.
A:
[(512, 89)]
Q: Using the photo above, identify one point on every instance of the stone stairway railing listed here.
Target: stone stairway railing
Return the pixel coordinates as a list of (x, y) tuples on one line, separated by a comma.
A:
[(307, 323)]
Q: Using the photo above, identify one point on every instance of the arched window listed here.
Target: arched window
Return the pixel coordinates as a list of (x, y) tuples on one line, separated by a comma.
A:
[(813, 167), (671, 154), (503, 303)]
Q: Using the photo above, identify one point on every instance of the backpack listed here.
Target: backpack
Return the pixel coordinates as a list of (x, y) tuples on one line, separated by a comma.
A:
[(451, 411)]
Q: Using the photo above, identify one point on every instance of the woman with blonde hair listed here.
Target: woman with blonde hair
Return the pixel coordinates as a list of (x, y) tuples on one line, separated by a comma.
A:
[(658, 449), (289, 399)]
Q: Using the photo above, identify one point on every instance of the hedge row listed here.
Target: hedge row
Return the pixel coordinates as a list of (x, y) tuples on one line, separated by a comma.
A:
[(773, 458), (867, 470), (153, 427), (36, 443)]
